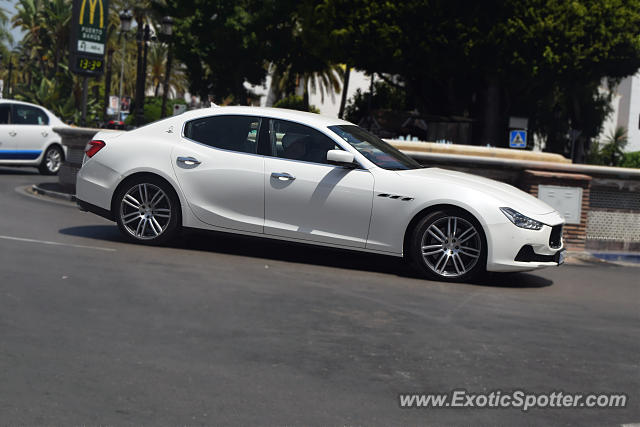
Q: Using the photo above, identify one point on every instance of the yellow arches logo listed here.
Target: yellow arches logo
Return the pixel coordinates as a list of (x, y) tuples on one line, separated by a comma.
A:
[(92, 12)]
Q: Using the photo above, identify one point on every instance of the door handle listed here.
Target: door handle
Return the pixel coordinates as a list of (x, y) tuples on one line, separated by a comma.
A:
[(282, 176), (12, 133), (189, 161)]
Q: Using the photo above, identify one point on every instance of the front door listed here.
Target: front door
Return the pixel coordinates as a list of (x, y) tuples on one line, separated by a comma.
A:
[(308, 199), (220, 172)]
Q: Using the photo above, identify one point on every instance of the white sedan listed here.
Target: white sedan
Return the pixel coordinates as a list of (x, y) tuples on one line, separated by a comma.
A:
[(27, 137), (306, 178)]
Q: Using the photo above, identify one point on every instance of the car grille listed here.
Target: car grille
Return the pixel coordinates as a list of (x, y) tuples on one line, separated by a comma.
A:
[(555, 240)]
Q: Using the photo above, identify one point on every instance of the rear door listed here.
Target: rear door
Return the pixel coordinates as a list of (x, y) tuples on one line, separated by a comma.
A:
[(220, 171), (29, 130)]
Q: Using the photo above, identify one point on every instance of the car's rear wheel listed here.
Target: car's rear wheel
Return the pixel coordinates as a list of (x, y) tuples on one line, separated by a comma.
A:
[(449, 245), (51, 161), (147, 210)]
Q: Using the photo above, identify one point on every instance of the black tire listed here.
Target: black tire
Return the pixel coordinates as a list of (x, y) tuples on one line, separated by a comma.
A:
[(157, 207), (460, 244), (51, 161)]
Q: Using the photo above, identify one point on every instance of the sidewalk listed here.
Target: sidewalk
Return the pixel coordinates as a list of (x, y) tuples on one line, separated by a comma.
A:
[(52, 189)]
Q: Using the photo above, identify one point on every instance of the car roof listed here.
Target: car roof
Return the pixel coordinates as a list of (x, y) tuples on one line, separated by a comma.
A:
[(303, 117)]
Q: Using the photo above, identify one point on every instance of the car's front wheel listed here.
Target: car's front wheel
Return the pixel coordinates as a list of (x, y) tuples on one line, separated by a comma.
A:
[(449, 245), (147, 211), (51, 161)]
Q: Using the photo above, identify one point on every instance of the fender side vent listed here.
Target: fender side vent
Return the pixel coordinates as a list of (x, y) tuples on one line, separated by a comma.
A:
[(396, 197)]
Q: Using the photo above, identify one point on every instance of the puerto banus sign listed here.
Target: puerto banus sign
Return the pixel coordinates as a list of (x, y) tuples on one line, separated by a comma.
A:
[(89, 36)]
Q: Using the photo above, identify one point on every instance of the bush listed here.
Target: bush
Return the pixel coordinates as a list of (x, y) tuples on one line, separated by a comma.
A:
[(385, 97), (631, 160), (152, 107), (294, 102)]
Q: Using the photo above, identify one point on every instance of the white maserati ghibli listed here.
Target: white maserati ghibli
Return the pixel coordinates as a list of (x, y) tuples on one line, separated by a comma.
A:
[(306, 178)]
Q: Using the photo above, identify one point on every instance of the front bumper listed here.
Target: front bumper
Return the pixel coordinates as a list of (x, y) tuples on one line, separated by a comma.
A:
[(517, 249)]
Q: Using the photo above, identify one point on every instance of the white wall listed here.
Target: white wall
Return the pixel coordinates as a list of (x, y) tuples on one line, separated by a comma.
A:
[(626, 112)]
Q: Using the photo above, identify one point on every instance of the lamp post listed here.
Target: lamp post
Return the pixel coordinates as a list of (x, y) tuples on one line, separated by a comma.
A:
[(21, 61), (167, 30), (9, 91), (125, 25)]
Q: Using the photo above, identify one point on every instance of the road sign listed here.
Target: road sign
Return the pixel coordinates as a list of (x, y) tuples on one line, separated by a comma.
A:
[(518, 139), (89, 36)]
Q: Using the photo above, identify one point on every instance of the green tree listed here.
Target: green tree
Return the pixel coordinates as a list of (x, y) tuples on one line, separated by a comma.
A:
[(219, 45), (542, 59)]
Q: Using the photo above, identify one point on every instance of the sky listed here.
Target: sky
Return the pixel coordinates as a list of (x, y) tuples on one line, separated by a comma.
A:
[(10, 8)]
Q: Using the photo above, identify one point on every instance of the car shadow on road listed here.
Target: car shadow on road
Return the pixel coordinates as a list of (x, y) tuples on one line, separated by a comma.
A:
[(278, 250)]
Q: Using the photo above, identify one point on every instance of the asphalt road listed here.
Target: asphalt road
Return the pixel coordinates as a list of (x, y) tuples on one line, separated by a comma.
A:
[(235, 331)]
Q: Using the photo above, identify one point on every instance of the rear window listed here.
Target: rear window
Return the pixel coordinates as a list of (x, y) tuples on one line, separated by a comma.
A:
[(236, 133)]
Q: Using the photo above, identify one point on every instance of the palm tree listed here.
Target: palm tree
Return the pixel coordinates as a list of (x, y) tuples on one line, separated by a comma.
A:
[(284, 82), (156, 66), (613, 149)]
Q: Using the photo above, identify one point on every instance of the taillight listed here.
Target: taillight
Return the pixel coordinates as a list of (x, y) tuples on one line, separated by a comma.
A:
[(93, 147)]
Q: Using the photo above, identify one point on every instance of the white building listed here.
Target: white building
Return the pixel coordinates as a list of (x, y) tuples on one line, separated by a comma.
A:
[(626, 112)]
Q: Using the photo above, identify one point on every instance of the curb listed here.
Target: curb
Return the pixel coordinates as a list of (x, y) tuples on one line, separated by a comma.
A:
[(55, 194)]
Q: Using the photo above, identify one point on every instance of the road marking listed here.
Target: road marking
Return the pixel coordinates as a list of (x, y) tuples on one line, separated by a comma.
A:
[(45, 242)]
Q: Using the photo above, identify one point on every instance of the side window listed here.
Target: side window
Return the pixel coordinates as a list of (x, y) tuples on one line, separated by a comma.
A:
[(294, 141), (236, 133), (27, 115), (5, 112)]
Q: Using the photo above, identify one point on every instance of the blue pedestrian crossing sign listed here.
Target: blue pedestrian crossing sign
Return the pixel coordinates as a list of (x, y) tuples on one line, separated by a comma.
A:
[(518, 139)]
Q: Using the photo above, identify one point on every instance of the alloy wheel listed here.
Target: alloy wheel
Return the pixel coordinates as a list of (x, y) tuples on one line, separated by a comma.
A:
[(145, 211), (451, 246)]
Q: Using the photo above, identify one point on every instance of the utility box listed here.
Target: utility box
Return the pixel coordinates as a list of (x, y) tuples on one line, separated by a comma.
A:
[(566, 192), (566, 200)]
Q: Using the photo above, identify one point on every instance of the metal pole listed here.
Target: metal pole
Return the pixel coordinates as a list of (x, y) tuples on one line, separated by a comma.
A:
[(143, 82), (165, 86), (138, 75), (85, 90), (124, 47), (9, 91)]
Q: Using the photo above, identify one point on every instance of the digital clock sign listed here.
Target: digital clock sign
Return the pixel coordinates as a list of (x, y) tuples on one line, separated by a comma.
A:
[(88, 36), (90, 65)]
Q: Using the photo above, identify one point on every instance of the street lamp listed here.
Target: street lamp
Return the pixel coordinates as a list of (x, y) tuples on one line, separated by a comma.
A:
[(167, 30), (125, 25)]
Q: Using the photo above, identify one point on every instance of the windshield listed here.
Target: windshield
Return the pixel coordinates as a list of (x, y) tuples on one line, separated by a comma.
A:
[(374, 149)]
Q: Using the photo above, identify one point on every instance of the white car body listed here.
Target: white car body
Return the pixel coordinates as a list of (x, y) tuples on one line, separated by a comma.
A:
[(24, 144), (367, 208)]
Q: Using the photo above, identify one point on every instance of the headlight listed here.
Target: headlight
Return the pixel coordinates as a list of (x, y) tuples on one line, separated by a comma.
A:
[(520, 220)]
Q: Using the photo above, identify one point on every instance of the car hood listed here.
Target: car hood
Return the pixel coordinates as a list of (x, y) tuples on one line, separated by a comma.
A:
[(506, 194)]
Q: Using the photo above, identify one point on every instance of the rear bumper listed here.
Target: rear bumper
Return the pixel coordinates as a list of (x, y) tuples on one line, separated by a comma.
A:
[(88, 207)]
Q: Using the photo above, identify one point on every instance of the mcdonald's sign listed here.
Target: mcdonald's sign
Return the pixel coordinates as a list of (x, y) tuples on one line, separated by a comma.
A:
[(89, 36)]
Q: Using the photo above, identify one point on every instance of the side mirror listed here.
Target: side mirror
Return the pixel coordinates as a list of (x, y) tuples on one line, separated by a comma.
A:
[(341, 158)]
